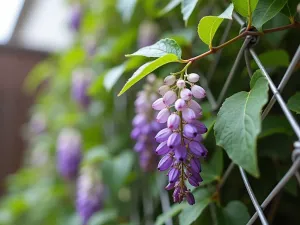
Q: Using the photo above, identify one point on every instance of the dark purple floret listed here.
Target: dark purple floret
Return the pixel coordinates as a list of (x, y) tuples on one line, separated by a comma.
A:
[(68, 153)]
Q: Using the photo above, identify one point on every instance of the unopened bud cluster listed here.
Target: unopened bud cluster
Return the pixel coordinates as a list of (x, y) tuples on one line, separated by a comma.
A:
[(145, 126), (180, 141)]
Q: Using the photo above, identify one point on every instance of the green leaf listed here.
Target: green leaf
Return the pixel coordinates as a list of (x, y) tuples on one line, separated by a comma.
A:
[(235, 213), (172, 4), (290, 8), (191, 213), (112, 76), (245, 7), (212, 170), (147, 68), (187, 7), (209, 25), (122, 165), (275, 125), (126, 8), (96, 155), (266, 10), (294, 103), (239, 123), (103, 217), (159, 49), (274, 58), (173, 211)]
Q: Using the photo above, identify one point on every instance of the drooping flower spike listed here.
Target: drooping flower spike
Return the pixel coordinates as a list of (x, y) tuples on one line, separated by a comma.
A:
[(68, 153), (90, 194), (180, 140), (145, 126)]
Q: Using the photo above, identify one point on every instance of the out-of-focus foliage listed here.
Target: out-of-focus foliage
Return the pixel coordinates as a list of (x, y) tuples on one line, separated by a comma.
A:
[(109, 30)]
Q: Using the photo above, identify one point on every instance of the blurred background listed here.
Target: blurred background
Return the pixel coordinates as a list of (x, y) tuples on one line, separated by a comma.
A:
[(49, 47)]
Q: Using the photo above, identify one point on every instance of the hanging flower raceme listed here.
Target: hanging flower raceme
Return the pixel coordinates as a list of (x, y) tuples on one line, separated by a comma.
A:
[(90, 194), (145, 126), (180, 141), (75, 16), (68, 153), (81, 80)]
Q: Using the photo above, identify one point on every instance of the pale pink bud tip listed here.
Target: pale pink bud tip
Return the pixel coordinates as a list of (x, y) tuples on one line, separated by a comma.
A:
[(180, 83), (163, 89), (169, 80), (180, 104), (198, 92), (193, 77), (159, 104), (169, 97), (186, 94), (163, 115)]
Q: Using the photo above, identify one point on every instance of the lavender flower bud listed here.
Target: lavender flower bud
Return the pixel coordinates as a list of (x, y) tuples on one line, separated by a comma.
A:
[(195, 107), (169, 98), (200, 126), (193, 181), (148, 33), (170, 186), (173, 121), (197, 149), (173, 140), (180, 153), (188, 115), (68, 153), (198, 92), (162, 148), (159, 104), (165, 163), (139, 120), (90, 194), (190, 131), (180, 104), (163, 135), (163, 89), (193, 77), (139, 146), (135, 133), (173, 175), (190, 198), (195, 165), (180, 83), (163, 116), (169, 80), (176, 195), (186, 94)]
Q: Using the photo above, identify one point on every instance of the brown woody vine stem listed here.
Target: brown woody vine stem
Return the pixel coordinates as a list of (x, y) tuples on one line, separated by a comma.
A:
[(241, 35)]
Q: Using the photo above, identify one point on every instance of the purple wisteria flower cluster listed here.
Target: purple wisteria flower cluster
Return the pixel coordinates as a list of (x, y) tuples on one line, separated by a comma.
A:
[(145, 126), (81, 81), (180, 141), (68, 153), (90, 194)]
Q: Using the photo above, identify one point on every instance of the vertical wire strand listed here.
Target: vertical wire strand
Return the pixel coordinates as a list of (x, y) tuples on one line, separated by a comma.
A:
[(277, 95), (284, 81), (277, 188), (253, 198)]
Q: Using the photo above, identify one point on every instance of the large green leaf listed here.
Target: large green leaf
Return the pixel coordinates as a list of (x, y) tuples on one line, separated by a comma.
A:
[(244, 7), (209, 25), (103, 217), (290, 8), (294, 103), (171, 5), (239, 123), (275, 125), (126, 8), (147, 68), (190, 213), (235, 213), (113, 75), (160, 48), (266, 10), (187, 7)]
